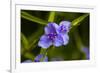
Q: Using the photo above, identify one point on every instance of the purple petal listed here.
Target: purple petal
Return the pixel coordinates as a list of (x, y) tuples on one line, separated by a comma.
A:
[(65, 23), (65, 39), (86, 50), (45, 59), (58, 41), (64, 26), (51, 28), (37, 59), (44, 42)]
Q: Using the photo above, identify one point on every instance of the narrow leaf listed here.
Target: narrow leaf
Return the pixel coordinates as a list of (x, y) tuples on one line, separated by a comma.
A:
[(33, 18), (33, 39), (36, 35), (29, 56), (24, 41), (79, 19)]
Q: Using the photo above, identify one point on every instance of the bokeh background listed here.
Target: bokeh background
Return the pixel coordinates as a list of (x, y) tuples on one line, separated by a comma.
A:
[(31, 31)]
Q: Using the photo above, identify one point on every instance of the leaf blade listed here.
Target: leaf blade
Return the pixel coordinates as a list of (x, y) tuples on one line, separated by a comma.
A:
[(24, 41), (79, 19), (29, 17)]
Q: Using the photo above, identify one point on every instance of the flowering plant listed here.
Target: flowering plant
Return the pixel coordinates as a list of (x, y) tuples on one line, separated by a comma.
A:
[(61, 36)]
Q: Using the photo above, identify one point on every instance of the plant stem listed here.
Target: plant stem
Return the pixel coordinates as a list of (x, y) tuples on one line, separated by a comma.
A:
[(79, 43), (44, 52), (51, 16)]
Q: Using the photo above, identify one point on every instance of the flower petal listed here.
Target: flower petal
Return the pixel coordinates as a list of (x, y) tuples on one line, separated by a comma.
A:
[(44, 42), (86, 50), (45, 59), (51, 28), (66, 25), (58, 41), (65, 39), (38, 57)]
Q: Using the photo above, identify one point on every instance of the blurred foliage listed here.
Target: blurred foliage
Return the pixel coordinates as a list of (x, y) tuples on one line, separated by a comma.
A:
[(32, 27)]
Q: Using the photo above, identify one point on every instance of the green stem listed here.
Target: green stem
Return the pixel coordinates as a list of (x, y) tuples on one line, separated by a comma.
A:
[(51, 16), (44, 52), (79, 43)]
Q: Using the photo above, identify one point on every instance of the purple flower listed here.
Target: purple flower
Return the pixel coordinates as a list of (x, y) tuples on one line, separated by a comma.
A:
[(55, 35), (86, 50), (64, 27), (39, 57)]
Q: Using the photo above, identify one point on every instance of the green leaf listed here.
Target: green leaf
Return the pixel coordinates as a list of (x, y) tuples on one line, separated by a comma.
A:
[(51, 16), (33, 39), (29, 56), (78, 40), (79, 19), (24, 41), (32, 18), (36, 35)]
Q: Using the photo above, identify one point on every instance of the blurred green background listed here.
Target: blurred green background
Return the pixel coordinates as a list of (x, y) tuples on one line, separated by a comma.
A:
[(32, 28)]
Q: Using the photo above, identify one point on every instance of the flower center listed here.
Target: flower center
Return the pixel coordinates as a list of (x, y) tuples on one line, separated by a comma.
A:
[(52, 36), (63, 29)]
